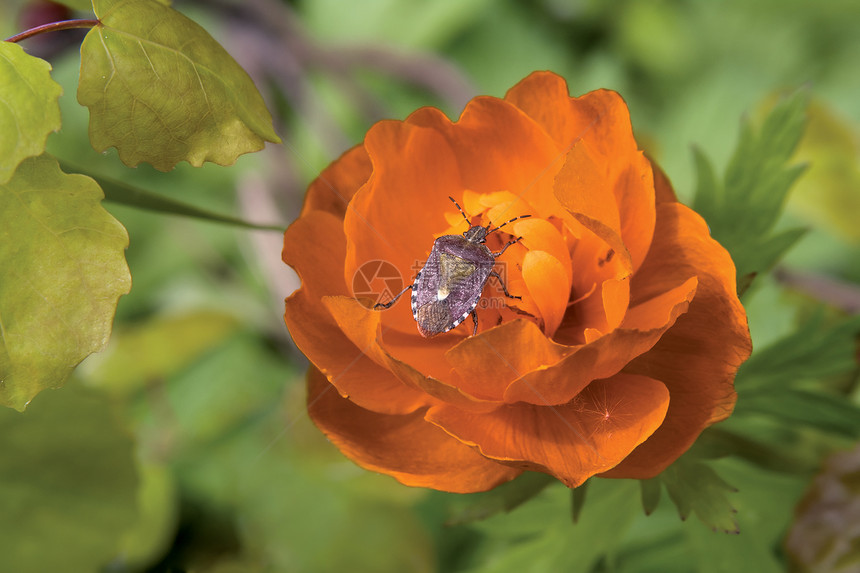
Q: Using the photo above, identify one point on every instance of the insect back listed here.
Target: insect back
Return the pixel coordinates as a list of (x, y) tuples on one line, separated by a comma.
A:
[(448, 287)]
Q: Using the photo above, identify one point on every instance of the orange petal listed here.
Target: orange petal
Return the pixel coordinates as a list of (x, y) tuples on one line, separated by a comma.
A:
[(473, 202), (488, 362), (603, 357), (363, 327), (599, 117), (395, 215), (616, 299), (314, 245), (582, 188), (333, 188), (655, 311), (573, 441), (594, 260), (541, 235), (406, 447), (598, 121), (595, 131), (498, 148), (545, 97), (634, 193), (698, 357), (548, 286)]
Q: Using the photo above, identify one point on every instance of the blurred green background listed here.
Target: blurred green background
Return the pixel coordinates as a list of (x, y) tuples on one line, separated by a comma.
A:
[(185, 446)]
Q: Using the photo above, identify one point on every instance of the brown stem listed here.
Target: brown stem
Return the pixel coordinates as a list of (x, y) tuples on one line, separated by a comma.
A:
[(52, 27), (840, 294)]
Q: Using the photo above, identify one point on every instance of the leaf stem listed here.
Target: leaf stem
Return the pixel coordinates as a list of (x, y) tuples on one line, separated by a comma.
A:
[(52, 27), (124, 194)]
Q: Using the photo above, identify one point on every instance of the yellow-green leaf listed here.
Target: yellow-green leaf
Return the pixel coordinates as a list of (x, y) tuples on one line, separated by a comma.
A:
[(160, 89), (68, 482), (169, 343), (64, 268), (82, 5), (28, 107), (828, 194), (158, 514)]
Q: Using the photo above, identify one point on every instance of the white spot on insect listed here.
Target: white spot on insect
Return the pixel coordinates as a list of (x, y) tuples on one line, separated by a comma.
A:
[(442, 294)]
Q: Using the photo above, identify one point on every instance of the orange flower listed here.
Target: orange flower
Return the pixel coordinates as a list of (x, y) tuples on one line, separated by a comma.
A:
[(621, 351)]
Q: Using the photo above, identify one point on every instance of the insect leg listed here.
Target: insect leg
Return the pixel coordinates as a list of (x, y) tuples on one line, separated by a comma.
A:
[(508, 244), (475, 320), (393, 300), (504, 288)]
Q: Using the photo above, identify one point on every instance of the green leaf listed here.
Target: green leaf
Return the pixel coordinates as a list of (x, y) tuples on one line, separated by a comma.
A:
[(29, 110), (826, 412), (162, 90), (411, 23), (780, 449), (155, 527), (743, 208), (169, 343), (651, 492), (539, 537), (68, 477), (365, 531), (577, 500), (474, 507), (695, 487), (816, 350), (82, 5), (765, 502), (63, 270), (828, 193)]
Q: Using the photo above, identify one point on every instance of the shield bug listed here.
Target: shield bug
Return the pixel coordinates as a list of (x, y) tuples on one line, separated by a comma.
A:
[(448, 288)]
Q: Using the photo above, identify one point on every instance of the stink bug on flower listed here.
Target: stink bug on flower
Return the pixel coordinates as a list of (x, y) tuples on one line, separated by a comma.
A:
[(448, 288)]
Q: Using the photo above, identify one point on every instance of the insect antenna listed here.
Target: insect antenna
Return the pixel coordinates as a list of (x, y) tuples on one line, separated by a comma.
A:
[(505, 223), (461, 210)]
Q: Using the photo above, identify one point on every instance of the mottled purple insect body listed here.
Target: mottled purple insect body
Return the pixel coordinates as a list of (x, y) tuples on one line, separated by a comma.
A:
[(449, 286)]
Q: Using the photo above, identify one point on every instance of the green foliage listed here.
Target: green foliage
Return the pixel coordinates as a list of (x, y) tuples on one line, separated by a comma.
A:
[(767, 444), (817, 349), (651, 492), (826, 412), (473, 507), (743, 208), (696, 488), (540, 537), (62, 276), (577, 500), (828, 191), (308, 523), (120, 193), (82, 5), (29, 112), (764, 503), (162, 90), (171, 343), (409, 23), (157, 518), (68, 477)]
